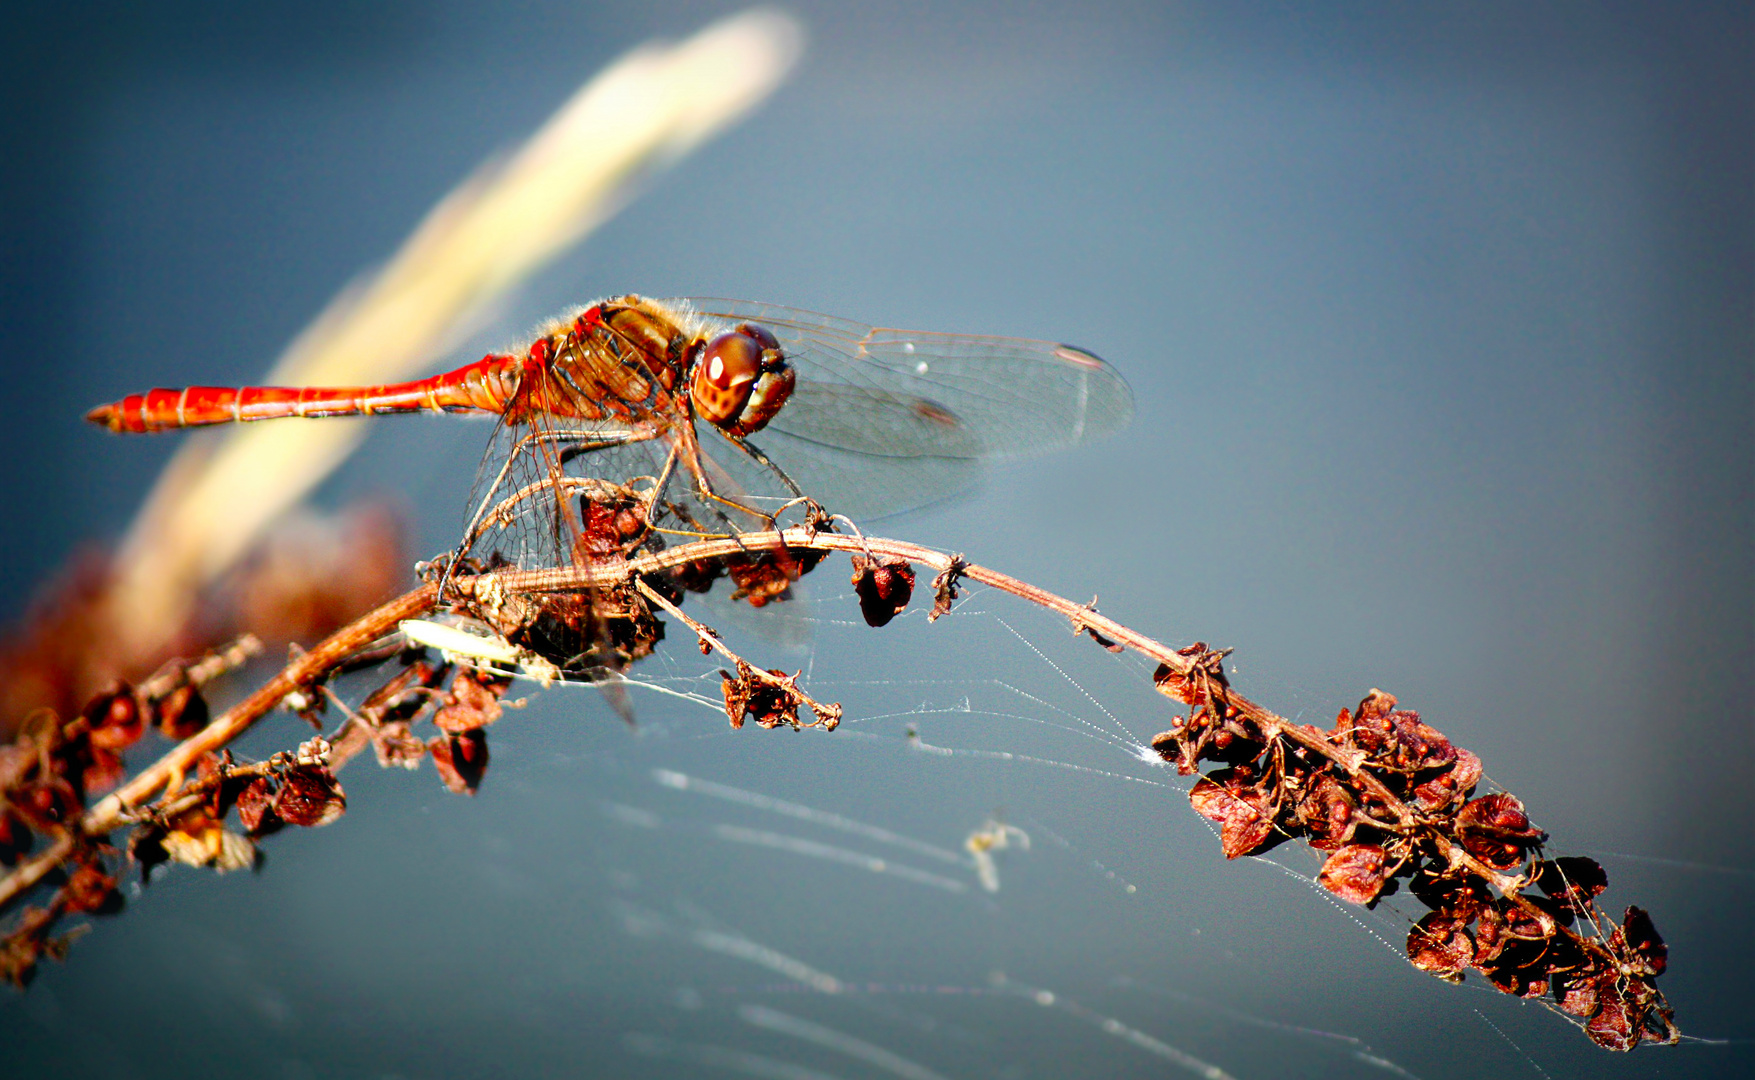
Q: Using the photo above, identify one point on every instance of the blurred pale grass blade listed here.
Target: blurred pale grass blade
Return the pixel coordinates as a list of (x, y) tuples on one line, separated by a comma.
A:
[(644, 112)]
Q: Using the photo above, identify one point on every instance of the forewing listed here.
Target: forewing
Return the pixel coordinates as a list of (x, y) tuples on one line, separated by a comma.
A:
[(886, 419)]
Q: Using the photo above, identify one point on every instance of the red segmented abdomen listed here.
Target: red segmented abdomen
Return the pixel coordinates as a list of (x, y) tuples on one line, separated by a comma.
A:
[(484, 386)]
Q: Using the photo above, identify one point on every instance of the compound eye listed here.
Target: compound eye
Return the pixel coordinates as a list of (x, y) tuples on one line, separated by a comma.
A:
[(761, 335), (723, 376)]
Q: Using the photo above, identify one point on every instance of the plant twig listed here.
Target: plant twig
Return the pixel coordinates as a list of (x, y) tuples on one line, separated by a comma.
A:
[(114, 809), (828, 716)]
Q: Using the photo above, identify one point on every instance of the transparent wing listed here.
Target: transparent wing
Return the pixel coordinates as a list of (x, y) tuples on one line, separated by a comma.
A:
[(884, 419)]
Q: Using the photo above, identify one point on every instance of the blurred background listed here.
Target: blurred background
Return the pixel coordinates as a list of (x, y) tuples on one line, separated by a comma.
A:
[(1439, 323)]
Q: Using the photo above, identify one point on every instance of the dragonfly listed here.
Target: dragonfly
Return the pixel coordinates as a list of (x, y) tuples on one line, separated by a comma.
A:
[(707, 417)]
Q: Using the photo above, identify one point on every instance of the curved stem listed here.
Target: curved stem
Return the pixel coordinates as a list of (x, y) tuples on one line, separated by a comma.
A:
[(110, 813)]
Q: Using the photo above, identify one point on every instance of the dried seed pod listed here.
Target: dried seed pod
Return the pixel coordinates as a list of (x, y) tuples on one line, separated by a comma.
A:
[(770, 703), (1450, 785), (1355, 873), (394, 744), (697, 576), (1229, 798), (771, 706), (1439, 944), (884, 586), (1616, 1025), (182, 713), (1494, 829), (90, 891), (256, 807), (473, 702), (1327, 813), (309, 795), (1201, 683), (1409, 746), (1581, 992), (1374, 706), (114, 718), (611, 522), (736, 689), (1642, 941), (46, 803), (760, 580), (461, 759)]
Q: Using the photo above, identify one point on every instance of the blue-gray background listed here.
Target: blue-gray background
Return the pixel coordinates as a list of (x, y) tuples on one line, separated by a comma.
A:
[(1440, 325)]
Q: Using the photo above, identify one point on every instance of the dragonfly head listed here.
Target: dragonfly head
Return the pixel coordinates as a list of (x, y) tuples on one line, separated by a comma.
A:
[(741, 380)]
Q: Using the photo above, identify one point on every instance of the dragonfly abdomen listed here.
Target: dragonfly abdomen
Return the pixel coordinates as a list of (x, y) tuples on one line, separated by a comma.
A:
[(484, 386)]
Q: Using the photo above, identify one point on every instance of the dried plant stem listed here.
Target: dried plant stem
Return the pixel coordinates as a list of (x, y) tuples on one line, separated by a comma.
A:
[(310, 667), (203, 671), (34, 869), (1196, 664), (800, 538)]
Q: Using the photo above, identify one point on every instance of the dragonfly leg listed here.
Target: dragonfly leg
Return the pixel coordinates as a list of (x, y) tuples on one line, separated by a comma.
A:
[(687, 449), (814, 510), (664, 474), (709, 497), (686, 453), (755, 451)]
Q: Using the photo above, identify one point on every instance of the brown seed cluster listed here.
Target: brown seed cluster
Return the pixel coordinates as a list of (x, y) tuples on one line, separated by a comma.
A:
[(47, 775), (461, 714), (589, 632), (772, 699), (189, 825), (1391, 800), (52, 769)]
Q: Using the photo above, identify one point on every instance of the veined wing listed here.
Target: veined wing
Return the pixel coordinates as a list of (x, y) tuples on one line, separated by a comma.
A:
[(1005, 397), (887, 419)]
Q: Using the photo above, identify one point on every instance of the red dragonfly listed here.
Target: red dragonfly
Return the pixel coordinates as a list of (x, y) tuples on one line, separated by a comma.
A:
[(658, 406)]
